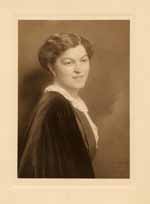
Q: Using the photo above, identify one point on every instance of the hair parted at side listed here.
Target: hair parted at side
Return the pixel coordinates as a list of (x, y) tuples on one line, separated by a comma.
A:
[(57, 43)]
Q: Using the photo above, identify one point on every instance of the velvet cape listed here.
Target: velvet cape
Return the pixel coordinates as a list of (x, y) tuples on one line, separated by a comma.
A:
[(55, 147)]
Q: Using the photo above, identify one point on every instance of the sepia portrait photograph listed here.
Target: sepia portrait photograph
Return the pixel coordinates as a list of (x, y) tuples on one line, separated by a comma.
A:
[(73, 99)]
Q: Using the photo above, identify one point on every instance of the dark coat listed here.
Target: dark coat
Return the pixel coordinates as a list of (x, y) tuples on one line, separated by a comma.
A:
[(55, 147)]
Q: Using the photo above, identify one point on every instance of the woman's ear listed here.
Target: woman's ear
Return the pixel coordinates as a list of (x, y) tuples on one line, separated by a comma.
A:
[(51, 70)]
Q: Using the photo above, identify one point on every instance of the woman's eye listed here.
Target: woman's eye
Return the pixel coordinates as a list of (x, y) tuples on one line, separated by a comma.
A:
[(84, 60), (67, 62)]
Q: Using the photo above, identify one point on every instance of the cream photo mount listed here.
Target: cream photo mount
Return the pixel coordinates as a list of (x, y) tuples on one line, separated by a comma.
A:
[(98, 183)]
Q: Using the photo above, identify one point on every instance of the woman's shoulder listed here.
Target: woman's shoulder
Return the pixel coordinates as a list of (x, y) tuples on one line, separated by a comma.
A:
[(52, 98), (52, 102)]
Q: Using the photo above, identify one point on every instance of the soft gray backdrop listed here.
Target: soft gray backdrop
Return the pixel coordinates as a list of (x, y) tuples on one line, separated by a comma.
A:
[(106, 92)]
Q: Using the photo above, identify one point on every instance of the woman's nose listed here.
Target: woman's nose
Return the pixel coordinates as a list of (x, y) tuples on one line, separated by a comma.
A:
[(77, 67)]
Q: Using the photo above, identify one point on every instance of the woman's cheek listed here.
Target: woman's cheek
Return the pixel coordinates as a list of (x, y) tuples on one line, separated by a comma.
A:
[(62, 72), (87, 69)]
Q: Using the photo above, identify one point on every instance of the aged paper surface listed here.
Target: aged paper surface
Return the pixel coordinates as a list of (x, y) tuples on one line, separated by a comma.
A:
[(134, 190)]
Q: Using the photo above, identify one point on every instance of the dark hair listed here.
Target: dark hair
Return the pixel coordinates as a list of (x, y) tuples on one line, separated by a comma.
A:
[(56, 44)]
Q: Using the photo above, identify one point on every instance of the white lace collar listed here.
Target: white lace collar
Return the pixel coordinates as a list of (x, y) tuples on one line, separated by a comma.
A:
[(76, 102)]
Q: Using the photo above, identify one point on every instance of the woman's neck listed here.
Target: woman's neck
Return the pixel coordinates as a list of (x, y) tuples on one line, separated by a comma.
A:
[(73, 92)]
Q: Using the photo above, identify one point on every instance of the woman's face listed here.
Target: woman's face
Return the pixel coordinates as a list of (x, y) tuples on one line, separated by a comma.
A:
[(72, 68)]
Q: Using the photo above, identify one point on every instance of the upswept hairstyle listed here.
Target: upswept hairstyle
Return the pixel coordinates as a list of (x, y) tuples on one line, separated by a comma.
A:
[(57, 43)]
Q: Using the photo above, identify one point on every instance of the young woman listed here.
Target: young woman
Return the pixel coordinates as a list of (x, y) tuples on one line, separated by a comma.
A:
[(62, 138)]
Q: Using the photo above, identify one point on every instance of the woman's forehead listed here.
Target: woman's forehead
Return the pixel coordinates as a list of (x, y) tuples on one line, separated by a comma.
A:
[(74, 52)]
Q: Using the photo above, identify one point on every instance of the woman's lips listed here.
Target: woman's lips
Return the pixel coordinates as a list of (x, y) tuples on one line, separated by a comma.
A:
[(78, 77)]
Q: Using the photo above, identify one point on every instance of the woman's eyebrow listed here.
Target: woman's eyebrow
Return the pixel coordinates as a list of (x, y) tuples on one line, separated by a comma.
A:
[(84, 56), (67, 58), (71, 58)]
